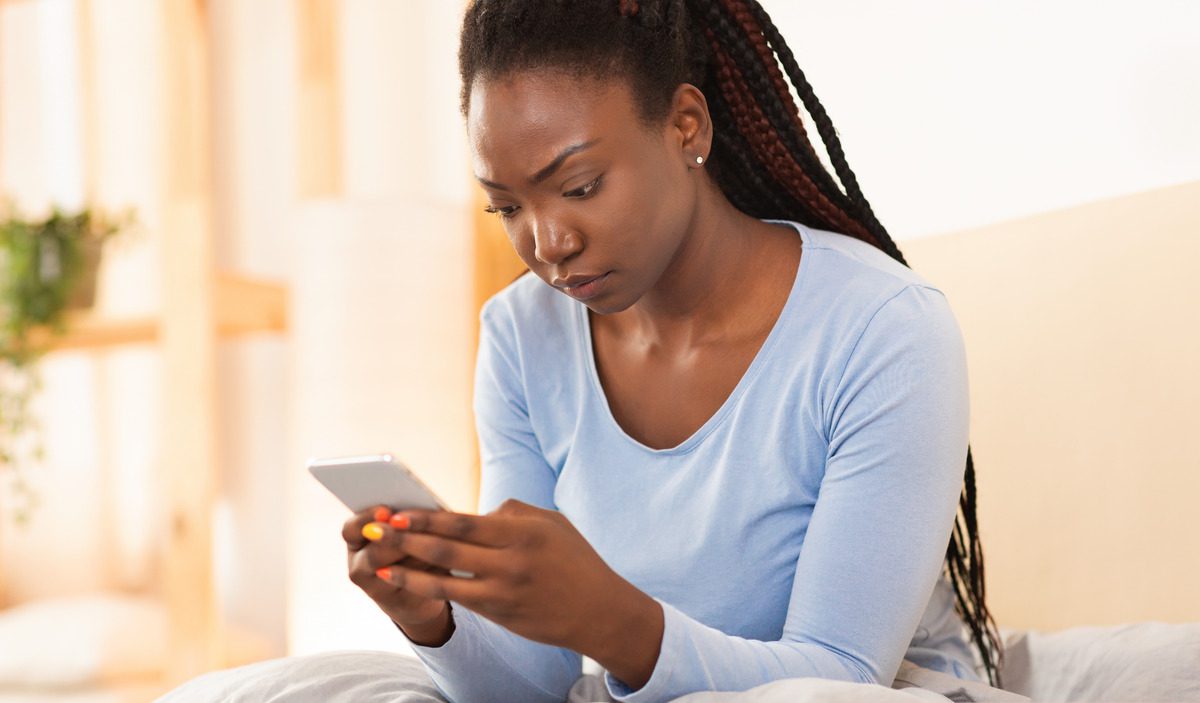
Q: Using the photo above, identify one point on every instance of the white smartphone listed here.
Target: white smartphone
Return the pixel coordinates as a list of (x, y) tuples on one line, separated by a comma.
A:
[(363, 482)]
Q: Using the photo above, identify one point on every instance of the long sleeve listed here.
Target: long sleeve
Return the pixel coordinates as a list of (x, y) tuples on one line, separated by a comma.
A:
[(482, 660), (897, 424)]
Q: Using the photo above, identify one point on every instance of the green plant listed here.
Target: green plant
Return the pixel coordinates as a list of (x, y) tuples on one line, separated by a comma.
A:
[(47, 266)]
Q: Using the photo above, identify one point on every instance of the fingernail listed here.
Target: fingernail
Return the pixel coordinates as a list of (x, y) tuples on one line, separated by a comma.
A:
[(384, 573), (400, 522), (382, 514), (373, 531)]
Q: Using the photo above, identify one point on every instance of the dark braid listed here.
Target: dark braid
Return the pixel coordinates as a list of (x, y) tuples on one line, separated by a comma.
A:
[(745, 75), (751, 122), (762, 158), (828, 134)]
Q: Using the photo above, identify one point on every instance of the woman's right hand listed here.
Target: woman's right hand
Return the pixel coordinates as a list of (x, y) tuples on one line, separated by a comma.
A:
[(408, 610)]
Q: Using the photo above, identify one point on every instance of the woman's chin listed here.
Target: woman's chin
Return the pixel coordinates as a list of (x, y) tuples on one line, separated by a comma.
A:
[(607, 305)]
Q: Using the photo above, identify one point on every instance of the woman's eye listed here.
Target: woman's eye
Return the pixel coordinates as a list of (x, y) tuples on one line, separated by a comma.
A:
[(504, 212), (583, 191)]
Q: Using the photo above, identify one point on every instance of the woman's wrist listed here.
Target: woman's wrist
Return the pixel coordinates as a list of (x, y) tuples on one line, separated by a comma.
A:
[(431, 633), (628, 648)]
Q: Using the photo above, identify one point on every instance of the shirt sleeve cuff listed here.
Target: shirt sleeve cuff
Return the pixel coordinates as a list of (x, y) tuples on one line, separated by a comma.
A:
[(469, 666), (457, 648), (660, 679)]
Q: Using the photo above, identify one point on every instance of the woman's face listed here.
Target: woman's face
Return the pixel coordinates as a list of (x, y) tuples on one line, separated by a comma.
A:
[(585, 190)]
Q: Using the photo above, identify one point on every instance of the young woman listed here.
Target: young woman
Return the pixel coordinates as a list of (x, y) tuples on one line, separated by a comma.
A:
[(723, 425)]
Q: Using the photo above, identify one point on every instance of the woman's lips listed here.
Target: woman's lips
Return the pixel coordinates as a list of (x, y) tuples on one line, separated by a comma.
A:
[(587, 289)]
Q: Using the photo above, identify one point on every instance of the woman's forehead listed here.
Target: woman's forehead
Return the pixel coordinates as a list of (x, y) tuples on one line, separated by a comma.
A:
[(532, 115)]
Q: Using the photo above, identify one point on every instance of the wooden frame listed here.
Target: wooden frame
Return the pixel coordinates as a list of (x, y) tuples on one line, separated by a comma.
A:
[(241, 306), (496, 266)]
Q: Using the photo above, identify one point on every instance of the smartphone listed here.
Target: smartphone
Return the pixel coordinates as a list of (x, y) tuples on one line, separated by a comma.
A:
[(362, 482)]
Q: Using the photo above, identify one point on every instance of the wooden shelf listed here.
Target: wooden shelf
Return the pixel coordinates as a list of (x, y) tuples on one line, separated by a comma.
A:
[(240, 306)]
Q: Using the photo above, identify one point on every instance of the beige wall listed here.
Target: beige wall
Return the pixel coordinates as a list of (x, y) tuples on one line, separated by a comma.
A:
[(1082, 329)]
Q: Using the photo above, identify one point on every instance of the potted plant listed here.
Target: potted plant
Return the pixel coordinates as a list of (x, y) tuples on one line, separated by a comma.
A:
[(47, 267)]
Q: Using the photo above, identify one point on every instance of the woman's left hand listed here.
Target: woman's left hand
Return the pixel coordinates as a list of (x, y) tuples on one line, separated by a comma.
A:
[(534, 574)]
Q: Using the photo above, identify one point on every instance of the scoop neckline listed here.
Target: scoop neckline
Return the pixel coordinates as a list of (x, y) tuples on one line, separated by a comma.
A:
[(752, 371)]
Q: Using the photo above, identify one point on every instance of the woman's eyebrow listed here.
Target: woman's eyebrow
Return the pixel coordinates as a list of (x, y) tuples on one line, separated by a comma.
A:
[(549, 169), (558, 161)]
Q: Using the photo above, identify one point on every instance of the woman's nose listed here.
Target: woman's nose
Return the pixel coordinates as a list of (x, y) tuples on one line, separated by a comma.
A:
[(553, 244)]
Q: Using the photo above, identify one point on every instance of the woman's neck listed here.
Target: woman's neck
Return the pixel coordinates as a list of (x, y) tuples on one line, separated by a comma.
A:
[(712, 287)]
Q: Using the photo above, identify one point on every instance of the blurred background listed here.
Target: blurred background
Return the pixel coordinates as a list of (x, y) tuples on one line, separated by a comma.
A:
[(309, 257)]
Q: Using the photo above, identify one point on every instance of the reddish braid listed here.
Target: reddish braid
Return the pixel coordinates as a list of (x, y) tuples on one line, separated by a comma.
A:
[(749, 25), (769, 149)]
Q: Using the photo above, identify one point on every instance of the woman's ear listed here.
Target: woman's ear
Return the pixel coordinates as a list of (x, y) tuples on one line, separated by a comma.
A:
[(690, 125)]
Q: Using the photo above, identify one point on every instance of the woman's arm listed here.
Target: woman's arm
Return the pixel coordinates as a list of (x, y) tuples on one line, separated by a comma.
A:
[(897, 428), (482, 660), (535, 575)]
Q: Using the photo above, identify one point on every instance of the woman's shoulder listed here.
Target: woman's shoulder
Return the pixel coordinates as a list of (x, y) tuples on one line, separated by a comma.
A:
[(848, 257), (848, 285), (849, 280)]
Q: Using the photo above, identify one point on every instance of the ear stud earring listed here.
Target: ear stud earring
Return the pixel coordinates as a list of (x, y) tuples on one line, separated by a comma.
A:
[(699, 159)]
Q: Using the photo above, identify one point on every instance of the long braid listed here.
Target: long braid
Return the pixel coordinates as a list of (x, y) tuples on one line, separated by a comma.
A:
[(740, 75), (825, 128), (762, 157), (771, 153), (751, 195)]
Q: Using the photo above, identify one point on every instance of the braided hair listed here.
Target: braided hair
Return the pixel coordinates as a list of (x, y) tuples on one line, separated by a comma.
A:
[(762, 158)]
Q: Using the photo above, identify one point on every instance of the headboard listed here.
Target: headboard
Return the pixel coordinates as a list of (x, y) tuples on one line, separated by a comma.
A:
[(1082, 329)]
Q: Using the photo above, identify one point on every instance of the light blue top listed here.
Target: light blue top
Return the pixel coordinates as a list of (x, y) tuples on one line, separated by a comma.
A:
[(800, 531)]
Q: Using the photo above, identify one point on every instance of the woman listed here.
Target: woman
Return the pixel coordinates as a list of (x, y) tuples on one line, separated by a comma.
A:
[(723, 426)]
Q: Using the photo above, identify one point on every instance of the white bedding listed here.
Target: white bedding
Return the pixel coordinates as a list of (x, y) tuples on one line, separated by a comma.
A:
[(1148, 661), (1136, 662), (1145, 662), (358, 676)]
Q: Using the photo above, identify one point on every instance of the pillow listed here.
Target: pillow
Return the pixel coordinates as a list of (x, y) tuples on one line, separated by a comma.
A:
[(1144, 661), (73, 641)]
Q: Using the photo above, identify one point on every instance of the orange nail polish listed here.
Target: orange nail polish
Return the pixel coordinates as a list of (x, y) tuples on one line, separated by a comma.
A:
[(384, 573), (372, 531), (400, 522), (382, 514)]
